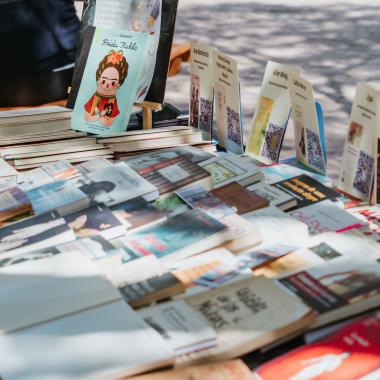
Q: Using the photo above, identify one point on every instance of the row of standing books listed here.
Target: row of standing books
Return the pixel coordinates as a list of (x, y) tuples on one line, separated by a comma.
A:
[(179, 256)]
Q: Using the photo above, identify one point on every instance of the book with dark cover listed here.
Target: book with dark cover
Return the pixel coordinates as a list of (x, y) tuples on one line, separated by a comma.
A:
[(173, 174), (95, 220), (241, 198), (187, 233), (34, 233), (137, 212), (156, 91), (307, 190), (152, 290)]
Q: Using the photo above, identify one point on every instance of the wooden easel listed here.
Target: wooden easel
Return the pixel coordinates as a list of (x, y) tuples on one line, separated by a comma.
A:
[(148, 108)]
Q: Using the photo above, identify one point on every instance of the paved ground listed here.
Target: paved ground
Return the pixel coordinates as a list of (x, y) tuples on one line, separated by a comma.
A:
[(335, 45)]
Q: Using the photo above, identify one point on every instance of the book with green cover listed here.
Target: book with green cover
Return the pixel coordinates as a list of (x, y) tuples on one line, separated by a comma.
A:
[(110, 80)]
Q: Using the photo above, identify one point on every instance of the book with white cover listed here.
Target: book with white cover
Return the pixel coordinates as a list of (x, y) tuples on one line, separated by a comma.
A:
[(246, 316), (229, 167), (182, 328), (227, 102), (115, 184), (358, 163), (307, 132), (29, 115), (201, 88), (322, 249), (37, 291), (6, 170), (275, 196), (271, 115), (109, 341), (276, 226), (326, 216)]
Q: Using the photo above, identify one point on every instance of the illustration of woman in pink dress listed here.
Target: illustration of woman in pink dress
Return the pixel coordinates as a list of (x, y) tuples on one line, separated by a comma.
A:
[(110, 75)]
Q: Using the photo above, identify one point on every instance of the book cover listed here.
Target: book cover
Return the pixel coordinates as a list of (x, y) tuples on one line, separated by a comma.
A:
[(162, 14), (227, 103), (307, 190), (61, 170), (273, 195), (13, 202), (42, 230), (201, 88), (182, 328), (198, 197), (137, 213), (308, 140), (174, 234), (115, 184), (282, 171), (335, 284), (89, 344), (171, 205), (110, 81), (241, 198), (247, 315), (56, 195), (71, 279), (326, 216), (358, 162), (271, 115), (173, 174), (139, 16), (95, 220), (351, 353), (229, 168)]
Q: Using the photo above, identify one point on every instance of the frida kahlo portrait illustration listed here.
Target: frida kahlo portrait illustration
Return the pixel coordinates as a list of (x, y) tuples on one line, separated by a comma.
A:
[(110, 75)]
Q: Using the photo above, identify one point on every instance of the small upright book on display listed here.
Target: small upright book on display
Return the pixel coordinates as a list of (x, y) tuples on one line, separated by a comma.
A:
[(227, 103), (201, 88), (271, 115), (110, 80)]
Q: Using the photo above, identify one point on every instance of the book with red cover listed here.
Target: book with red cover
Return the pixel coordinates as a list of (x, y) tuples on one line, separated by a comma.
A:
[(351, 353), (241, 198)]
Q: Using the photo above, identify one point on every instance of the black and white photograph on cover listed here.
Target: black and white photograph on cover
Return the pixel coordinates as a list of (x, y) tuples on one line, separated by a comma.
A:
[(92, 221), (31, 231)]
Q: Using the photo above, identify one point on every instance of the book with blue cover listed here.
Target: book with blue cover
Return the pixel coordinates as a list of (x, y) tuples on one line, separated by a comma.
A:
[(178, 237), (110, 80), (63, 196)]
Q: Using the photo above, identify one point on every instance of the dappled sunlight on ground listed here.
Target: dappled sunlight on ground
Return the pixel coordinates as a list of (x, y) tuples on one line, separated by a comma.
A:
[(335, 46)]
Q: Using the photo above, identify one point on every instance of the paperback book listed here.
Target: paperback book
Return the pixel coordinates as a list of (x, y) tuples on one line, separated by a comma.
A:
[(271, 115), (95, 220), (109, 80), (358, 163), (201, 88), (228, 168), (178, 237), (227, 103), (351, 353), (39, 232), (309, 142), (116, 184)]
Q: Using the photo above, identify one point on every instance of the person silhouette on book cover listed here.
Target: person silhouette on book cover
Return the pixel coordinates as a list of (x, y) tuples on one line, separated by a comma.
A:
[(110, 75), (320, 365)]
